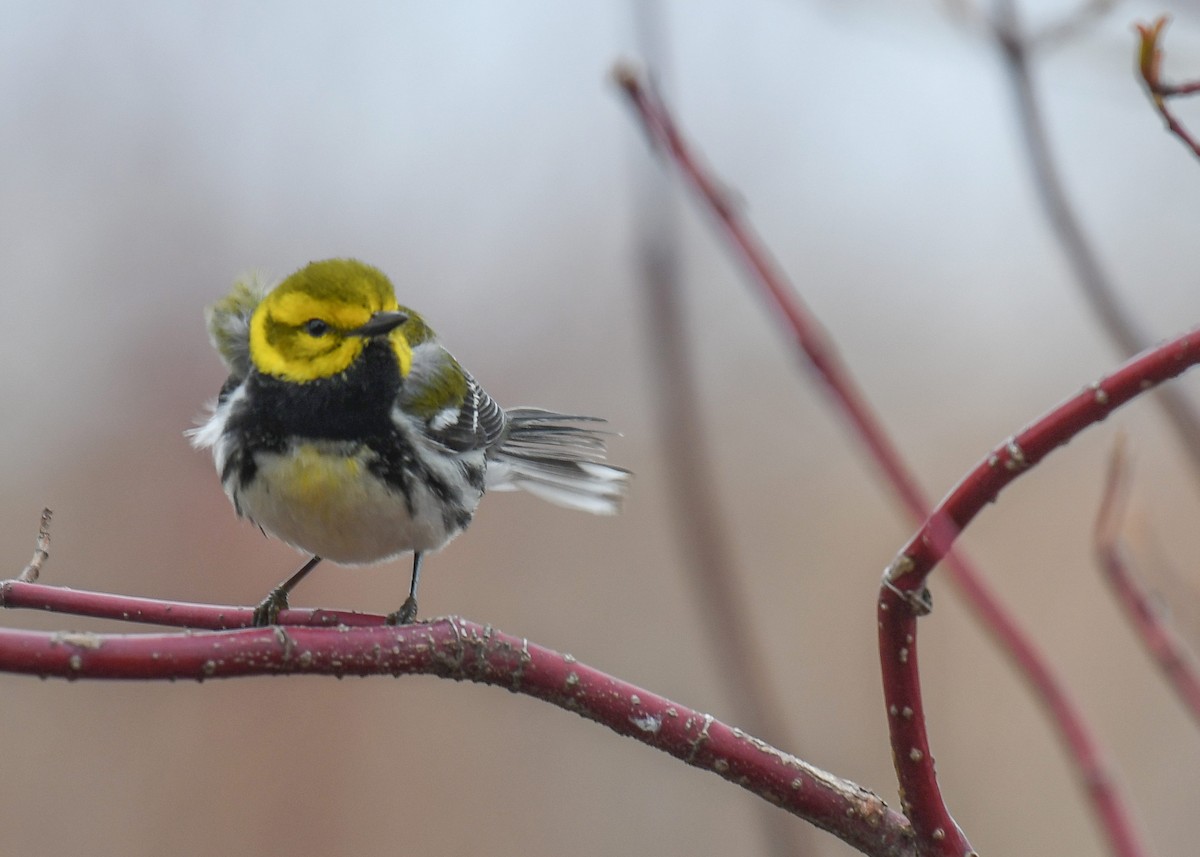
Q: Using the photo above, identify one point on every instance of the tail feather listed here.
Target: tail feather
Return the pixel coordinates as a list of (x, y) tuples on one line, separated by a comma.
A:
[(545, 454), (561, 449)]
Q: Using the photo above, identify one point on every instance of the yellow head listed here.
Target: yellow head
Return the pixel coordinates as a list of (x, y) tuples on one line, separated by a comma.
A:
[(316, 322)]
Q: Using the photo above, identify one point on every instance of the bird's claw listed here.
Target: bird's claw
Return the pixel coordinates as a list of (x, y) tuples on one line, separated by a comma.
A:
[(406, 614), (267, 611)]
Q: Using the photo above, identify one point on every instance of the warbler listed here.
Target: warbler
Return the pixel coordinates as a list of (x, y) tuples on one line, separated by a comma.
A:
[(346, 430)]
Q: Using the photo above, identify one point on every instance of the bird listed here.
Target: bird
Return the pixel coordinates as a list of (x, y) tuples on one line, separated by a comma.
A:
[(346, 429)]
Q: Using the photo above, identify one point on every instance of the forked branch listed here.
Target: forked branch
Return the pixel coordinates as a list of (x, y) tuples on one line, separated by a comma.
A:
[(907, 574), (451, 648), (1150, 57)]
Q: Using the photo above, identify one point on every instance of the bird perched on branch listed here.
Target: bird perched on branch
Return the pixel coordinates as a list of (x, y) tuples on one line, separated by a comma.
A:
[(346, 430)]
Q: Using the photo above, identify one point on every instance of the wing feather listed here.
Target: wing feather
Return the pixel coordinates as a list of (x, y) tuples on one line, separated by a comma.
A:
[(457, 413)]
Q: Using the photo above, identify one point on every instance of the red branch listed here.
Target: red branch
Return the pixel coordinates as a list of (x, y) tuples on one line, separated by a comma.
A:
[(935, 828), (461, 650), (1167, 650), (1150, 65), (907, 573), (172, 614)]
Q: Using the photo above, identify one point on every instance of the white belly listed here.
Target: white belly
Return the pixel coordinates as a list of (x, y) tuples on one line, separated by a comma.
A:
[(322, 501)]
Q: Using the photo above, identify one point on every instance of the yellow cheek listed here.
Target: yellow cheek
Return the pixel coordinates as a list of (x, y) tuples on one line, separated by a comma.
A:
[(403, 351), (324, 365), (298, 357)]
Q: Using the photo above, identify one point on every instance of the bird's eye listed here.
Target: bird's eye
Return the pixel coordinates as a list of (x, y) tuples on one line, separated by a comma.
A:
[(316, 327)]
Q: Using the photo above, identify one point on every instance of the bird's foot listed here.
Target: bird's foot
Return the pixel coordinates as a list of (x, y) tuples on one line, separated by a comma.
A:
[(406, 614), (267, 611)]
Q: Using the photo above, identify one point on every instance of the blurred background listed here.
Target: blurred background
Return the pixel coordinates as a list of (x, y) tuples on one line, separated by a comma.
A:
[(478, 153)]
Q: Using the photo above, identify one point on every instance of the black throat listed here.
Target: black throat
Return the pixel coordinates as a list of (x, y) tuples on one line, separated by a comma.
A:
[(353, 405)]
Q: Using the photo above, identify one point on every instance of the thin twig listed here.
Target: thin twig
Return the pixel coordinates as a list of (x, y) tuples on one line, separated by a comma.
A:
[(1150, 65), (710, 560), (18, 594), (1160, 642), (1090, 276), (936, 830), (41, 552)]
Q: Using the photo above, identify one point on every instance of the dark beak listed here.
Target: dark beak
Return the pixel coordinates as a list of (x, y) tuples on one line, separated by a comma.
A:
[(380, 323)]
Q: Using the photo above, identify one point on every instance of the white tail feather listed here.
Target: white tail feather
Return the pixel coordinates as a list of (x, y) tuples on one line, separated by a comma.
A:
[(545, 454)]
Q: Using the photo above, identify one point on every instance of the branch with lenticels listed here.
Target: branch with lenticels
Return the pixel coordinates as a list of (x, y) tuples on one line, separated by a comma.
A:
[(323, 642)]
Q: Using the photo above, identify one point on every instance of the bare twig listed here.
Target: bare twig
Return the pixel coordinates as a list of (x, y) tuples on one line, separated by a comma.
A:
[(1150, 66), (41, 552), (461, 650), (812, 347), (932, 823), (936, 830), (15, 594), (1092, 279), (981, 486), (1167, 650), (711, 563), (710, 560)]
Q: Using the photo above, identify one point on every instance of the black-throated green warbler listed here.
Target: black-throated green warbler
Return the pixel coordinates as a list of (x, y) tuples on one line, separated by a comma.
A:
[(346, 430)]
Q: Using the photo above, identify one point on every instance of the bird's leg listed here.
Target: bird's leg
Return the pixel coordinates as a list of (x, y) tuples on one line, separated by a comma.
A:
[(408, 610), (267, 611)]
